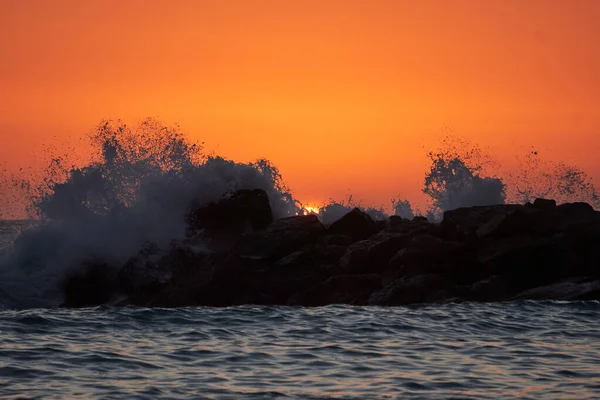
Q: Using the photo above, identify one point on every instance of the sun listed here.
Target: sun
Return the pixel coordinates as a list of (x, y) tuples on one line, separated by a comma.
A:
[(311, 209)]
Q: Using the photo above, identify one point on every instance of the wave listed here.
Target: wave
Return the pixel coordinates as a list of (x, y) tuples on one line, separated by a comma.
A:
[(140, 180), (136, 191)]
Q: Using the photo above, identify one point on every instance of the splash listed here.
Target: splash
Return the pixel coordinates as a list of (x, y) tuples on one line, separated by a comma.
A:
[(461, 174), (334, 210), (403, 208), (536, 177), (457, 178), (135, 190)]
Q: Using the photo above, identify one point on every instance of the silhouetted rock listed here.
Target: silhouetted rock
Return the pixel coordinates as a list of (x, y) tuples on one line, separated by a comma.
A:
[(385, 246), (338, 240), (281, 237), (92, 284), (396, 222), (146, 272), (221, 222), (544, 204), (373, 254), (417, 226), (427, 254), (572, 289), (293, 273), (340, 289), (577, 210), (170, 280), (475, 221), (416, 289), (355, 258), (357, 224), (494, 288), (527, 262), (486, 253)]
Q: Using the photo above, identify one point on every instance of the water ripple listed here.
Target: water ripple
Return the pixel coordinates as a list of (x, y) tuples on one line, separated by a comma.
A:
[(467, 351)]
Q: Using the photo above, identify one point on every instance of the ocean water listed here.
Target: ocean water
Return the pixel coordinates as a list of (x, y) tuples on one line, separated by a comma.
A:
[(468, 351)]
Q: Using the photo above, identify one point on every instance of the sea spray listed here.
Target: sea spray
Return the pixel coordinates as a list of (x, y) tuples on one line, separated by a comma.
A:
[(136, 191), (536, 177), (457, 178), (334, 210)]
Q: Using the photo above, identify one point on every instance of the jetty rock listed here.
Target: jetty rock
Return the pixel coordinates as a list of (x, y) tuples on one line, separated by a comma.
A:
[(236, 254)]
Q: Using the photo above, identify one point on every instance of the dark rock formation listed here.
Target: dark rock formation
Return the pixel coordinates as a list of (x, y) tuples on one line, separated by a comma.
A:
[(357, 224), (418, 289), (240, 208), (486, 253), (340, 289), (93, 283), (572, 289), (220, 223), (281, 237)]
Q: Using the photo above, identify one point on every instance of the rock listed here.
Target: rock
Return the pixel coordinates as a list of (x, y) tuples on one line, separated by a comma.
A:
[(487, 253), (293, 273), (573, 289), (146, 272), (541, 218), (544, 204), (327, 255), (466, 222), (373, 254), (233, 281), (338, 240), (527, 261), (577, 210), (172, 281), (494, 288), (355, 258), (396, 222), (219, 280), (417, 289), (281, 237), (427, 254), (340, 289), (223, 221), (357, 224), (414, 226), (93, 283), (385, 246), (525, 221)]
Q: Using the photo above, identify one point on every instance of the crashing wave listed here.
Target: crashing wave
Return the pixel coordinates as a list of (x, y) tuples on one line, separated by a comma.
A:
[(141, 180), (137, 190)]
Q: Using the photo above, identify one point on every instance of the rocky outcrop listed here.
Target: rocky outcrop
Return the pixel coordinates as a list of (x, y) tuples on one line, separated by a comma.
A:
[(356, 224), (220, 223), (282, 237), (339, 289), (90, 284), (236, 254)]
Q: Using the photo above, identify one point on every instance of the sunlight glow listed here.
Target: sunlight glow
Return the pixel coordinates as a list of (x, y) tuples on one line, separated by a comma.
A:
[(311, 209)]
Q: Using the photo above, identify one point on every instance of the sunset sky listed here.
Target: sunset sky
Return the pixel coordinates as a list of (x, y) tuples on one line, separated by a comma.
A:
[(343, 96)]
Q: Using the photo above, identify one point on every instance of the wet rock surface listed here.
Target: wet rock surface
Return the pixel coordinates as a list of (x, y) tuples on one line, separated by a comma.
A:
[(487, 253)]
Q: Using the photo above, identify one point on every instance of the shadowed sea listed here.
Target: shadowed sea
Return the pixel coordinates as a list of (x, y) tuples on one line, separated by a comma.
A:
[(466, 351)]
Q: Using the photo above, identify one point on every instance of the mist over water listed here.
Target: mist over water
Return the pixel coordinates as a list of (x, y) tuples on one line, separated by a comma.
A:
[(137, 184)]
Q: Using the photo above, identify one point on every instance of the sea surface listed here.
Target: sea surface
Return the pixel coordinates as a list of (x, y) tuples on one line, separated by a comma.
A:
[(522, 350)]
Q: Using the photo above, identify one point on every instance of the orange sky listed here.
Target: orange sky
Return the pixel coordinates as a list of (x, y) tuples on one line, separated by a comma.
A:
[(341, 95)]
